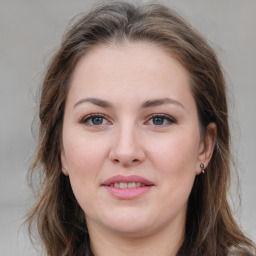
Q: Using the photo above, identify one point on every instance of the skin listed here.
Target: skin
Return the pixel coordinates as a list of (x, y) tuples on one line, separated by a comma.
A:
[(128, 140)]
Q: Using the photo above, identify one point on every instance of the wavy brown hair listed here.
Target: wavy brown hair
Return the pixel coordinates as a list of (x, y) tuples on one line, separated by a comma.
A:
[(210, 226)]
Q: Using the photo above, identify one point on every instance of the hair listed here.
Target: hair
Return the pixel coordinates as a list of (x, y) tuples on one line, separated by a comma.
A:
[(210, 227)]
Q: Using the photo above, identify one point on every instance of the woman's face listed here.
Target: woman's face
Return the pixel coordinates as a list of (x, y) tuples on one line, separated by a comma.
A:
[(131, 141)]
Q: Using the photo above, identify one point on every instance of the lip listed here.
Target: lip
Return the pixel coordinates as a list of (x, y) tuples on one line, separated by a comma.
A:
[(127, 179), (127, 193)]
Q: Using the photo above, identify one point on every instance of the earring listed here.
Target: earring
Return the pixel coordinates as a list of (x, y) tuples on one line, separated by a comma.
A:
[(202, 167), (65, 170)]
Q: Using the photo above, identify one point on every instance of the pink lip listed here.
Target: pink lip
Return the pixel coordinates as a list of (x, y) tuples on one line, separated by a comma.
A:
[(127, 179), (127, 193)]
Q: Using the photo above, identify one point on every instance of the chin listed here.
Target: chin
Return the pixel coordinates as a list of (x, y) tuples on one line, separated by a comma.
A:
[(127, 222), (131, 228)]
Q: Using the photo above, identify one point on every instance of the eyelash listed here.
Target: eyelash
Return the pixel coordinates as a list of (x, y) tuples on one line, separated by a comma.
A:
[(86, 119), (167, 118)]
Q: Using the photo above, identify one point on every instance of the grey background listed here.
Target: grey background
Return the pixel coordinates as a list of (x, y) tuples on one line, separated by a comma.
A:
[(30, 30)]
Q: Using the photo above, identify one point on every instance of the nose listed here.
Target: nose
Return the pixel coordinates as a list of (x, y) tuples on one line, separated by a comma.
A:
[(126, 149)]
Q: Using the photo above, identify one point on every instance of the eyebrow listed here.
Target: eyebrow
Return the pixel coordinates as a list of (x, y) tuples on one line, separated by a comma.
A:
[(158, 102), (95, 101), (146, 104)]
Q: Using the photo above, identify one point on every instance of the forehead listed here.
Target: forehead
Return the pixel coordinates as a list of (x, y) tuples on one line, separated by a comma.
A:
[(128, 70)]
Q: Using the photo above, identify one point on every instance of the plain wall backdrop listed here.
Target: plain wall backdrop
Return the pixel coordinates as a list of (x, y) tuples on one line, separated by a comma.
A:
[(30, 30)]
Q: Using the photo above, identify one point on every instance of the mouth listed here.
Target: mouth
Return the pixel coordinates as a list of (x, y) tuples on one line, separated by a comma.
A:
[(127, 187), (123, 185), (132, 181)]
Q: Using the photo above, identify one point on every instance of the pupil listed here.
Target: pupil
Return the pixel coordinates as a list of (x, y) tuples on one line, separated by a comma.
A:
[(97, 120), (158, 120)]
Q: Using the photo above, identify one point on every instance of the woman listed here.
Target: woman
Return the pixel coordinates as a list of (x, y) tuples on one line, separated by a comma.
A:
[(134, 140)]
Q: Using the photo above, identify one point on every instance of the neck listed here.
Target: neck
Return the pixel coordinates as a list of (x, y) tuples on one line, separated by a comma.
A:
[(165, 242)]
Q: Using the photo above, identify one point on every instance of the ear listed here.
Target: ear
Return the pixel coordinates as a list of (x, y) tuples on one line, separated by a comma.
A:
[(206, 147), (63, 163)]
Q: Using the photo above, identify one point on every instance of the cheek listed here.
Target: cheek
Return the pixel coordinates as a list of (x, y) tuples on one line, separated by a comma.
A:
[(84, 157), (178, 174), (175, 154), (84, 154), (175, 159)]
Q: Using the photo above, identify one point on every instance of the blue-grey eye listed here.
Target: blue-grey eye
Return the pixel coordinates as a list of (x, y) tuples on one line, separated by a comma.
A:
[(97, 120), (158, 120)]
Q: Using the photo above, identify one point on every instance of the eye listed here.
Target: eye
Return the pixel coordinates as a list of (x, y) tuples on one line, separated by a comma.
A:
[(95, 120), (160, 120)]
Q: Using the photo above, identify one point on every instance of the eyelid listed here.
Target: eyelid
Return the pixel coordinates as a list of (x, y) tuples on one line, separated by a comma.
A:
[(167, 117), (170, 119), (85, 119)]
